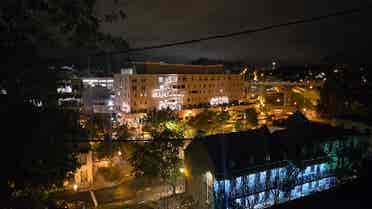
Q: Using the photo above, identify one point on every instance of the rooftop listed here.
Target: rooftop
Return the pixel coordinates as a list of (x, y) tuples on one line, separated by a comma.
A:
[(232, 153), (165, 68)]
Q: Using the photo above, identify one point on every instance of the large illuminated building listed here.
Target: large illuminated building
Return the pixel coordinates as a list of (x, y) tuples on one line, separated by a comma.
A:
[(258, 169), (148, 86)]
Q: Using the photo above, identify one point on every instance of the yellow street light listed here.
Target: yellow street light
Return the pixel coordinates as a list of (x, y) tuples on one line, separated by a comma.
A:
[(119, 153), (182, 170), (75, 187)]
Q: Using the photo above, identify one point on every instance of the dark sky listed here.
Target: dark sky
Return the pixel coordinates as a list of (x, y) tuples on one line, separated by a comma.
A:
[(152, 22)]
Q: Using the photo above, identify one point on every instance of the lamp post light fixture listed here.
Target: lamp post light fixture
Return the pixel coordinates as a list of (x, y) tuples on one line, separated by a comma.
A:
[(182, 170), (75, 187)]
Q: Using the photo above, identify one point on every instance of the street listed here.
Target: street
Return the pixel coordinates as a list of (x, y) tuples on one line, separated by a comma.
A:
[(125, 193)]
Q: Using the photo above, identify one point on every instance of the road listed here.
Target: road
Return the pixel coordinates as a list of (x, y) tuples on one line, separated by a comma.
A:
[(125, 193)]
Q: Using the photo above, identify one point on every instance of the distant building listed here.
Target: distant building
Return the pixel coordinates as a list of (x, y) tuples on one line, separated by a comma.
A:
[(69, 89), (149, 86), (257, 169), (106, 82), (98, 95)]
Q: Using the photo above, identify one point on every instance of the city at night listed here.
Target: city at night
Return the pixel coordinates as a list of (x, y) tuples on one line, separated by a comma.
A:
[(199, 104)]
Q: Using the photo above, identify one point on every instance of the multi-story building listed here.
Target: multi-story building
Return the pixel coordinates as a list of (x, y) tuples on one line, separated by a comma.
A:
[(258, 169), (69, 88), (106, 82), (98, 95), (149, 86)]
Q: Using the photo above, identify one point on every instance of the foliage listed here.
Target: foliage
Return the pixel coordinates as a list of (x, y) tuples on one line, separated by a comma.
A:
[(34, 34), (251, 116), (98, 125), (157, 120), (209, 121), (239, 125), (344, 95), (123, 132), (40, 157), (103, 149), (159, 157)]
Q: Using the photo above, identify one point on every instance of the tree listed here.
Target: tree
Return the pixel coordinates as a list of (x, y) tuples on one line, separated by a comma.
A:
[(159, 157), (209, 121), (34, 35), (104, 149), (251, 116), (98, 125), (39, 158), (239, 125), (158, 120), (123, 132)]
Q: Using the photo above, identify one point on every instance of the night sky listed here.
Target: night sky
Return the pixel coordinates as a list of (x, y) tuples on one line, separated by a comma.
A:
[(151, 22)]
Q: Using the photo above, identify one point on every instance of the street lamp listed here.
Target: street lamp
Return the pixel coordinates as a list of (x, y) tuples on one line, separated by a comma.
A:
[(75, 187), (182, 170)]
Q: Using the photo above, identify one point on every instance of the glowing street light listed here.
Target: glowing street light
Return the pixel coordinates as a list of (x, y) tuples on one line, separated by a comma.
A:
[(119, 153), (182, 170), (75, 187)]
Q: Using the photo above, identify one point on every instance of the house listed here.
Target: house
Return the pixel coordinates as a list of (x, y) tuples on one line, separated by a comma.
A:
[(257, 169)]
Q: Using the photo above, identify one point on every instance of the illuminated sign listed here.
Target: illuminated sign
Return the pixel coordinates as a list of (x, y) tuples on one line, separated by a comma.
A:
[(219, 100), (66, 89), (125, 107), (104, 82), (168, 79), (167, 96), (173, 104)]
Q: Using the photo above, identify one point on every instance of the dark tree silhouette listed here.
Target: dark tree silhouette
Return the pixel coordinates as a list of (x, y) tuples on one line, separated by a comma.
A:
[(34, 35)]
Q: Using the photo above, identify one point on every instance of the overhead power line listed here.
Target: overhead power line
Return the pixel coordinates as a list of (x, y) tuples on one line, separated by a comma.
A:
[(122, 140), (245, 32)]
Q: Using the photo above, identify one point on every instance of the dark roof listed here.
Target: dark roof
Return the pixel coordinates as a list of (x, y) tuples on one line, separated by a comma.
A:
[(165, 68), (297, 119), (233, 150), (233, 153), (312, 133)]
